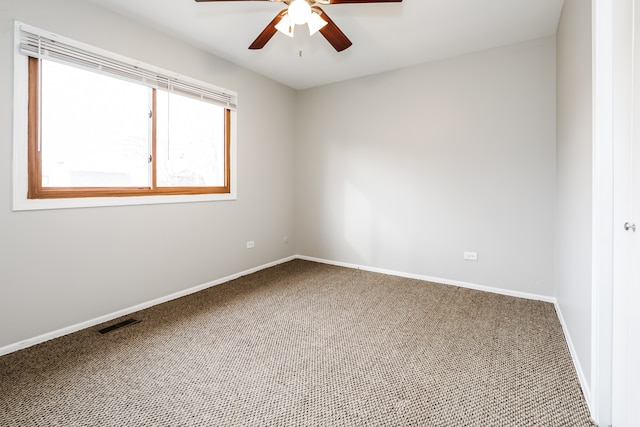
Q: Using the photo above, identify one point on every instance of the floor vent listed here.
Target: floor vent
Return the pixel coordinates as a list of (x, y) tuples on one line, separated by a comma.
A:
[(118, 326)]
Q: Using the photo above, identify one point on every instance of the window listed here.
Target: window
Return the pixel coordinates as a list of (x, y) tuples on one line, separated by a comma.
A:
[(101, 126), (95, 135)]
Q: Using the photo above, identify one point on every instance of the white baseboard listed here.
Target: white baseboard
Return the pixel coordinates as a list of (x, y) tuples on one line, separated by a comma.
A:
[(101, 319), (98, 320), (467, 285), (576, 362)]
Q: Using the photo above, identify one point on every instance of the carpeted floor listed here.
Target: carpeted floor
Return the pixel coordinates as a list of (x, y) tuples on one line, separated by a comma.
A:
[(306, 344)]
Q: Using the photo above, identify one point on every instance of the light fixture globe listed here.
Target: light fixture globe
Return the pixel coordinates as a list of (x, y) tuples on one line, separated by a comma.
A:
[(316, 23), (285, 26), (299, 12)]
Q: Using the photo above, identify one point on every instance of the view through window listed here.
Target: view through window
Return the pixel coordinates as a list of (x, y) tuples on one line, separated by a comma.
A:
[(93, 135)]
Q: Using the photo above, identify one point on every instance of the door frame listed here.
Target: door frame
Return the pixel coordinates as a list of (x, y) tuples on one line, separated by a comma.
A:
[(613, 38), (613, 135), (602, 212), (625, 96)]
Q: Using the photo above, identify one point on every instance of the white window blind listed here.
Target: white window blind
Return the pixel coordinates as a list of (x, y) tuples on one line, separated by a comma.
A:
[(41, 44)]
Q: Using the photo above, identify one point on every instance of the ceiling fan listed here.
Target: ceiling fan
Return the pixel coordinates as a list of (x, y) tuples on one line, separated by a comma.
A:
[(300, 12)]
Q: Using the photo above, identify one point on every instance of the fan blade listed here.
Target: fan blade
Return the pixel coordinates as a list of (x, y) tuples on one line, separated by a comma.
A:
[(358, 1), (332, 33), (268, 32)]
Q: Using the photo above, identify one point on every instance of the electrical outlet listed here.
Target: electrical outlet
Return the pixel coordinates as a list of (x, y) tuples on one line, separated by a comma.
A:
[(471, 256), (251, 244)]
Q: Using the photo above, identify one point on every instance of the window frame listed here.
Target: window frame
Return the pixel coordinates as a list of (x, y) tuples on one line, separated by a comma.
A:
[(28, 193)]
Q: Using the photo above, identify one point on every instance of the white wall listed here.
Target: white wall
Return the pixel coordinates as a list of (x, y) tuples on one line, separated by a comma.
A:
[(59, 268), (406, 170), (574, 168)]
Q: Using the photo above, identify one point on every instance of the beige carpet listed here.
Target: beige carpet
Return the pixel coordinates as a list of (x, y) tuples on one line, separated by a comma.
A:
[(306, 344)]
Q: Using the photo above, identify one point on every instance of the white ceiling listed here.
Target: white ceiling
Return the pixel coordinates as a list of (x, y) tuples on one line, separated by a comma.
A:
[(385, 36)]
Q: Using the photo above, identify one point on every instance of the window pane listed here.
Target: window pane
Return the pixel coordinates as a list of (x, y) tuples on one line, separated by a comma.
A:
[(95, 129), (189, 142)]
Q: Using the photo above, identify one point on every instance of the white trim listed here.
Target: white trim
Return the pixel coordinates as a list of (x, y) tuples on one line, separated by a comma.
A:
[(576, 361), (101, 319), (599, 400), (518, 294), (96, 321), (624, 407), (20, 176), (20, 150)]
